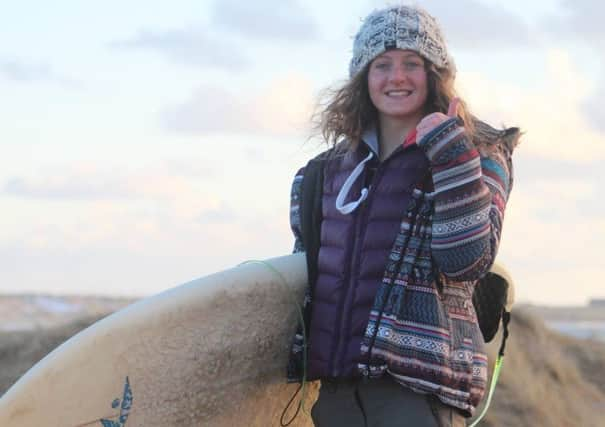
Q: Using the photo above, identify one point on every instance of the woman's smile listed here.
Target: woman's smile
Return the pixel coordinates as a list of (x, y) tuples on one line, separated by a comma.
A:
[(397, 83)]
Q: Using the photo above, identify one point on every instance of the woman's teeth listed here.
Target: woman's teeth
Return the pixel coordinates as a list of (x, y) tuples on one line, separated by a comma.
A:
[(399, 93)]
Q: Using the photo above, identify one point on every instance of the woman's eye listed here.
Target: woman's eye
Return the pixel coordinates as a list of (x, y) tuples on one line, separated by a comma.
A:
[(411, 65)]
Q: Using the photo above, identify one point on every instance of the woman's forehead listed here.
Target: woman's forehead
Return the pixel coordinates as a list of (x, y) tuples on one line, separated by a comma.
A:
[(399, 53)]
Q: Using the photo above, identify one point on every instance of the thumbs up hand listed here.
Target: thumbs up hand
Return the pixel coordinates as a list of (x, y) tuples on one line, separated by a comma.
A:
[(430, 122)]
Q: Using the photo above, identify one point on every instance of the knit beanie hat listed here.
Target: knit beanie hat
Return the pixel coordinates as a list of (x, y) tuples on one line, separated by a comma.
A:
[(399, 27)]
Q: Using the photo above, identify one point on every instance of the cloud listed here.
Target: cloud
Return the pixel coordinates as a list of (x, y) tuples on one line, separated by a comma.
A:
[(594, 108), (559, 285), (222, 213), (188, 46), (470, 24), (576, 185), (140, 211), (209, 110), (141, 245), (582, 21), (27, 72), (550, 113), (89, 182), (20, 71), (282, 108), (112, 249), (549, 242), (579, 20), (67, 188), (572, 190), (275, 20)]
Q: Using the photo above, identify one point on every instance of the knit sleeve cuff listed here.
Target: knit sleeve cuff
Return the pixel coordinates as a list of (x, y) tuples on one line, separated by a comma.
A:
[(446, 142), (295, 198)]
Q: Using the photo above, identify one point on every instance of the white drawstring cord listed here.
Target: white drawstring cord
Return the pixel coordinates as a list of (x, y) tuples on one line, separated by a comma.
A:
[(344, 191)]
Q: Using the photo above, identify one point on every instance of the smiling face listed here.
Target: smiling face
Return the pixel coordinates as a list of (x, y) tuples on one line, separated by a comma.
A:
[(397, 83)]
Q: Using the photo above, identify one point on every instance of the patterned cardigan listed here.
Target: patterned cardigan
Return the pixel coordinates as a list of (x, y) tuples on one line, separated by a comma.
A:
[(422, 328)]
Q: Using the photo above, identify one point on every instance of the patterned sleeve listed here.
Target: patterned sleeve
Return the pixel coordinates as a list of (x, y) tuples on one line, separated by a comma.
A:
[(295, 198), (471, 191)]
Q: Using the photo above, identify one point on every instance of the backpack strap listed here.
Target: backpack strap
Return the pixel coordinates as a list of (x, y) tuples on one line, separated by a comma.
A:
[(311, 215), (310, 227), (505, 322)]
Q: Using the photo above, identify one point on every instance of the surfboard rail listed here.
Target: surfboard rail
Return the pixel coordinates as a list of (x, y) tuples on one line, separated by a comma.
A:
[(198, 354)]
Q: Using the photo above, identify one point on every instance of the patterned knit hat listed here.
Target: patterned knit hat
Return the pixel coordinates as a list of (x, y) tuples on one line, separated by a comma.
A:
[(401, 27)]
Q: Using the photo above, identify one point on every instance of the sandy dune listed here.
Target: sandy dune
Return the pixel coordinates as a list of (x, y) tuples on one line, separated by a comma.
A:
[(548, 379)]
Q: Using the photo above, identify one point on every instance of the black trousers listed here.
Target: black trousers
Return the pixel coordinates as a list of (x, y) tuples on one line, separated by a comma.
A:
[(379, 403)]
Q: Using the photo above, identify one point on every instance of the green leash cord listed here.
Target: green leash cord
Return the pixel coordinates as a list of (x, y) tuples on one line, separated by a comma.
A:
[(497, 366), (492, 388), (301, 318)]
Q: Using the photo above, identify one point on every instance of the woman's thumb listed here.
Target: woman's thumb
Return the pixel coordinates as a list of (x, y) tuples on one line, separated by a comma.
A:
[(452, 110)]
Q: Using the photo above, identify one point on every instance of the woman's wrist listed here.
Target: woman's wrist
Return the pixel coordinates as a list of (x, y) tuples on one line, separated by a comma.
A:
[(445, 142)]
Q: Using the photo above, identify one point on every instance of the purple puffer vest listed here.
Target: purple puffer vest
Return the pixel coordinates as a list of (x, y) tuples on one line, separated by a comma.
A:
[(354, 251)]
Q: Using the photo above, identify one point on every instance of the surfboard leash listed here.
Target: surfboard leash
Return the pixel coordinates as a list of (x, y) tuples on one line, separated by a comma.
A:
[(497, 368), (302, 387)]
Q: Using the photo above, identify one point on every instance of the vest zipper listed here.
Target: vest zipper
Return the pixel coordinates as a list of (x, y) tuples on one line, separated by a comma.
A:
[(344, 319), (350, 287)]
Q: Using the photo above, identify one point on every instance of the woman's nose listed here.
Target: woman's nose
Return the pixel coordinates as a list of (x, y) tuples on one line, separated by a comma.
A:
[(398, 74)]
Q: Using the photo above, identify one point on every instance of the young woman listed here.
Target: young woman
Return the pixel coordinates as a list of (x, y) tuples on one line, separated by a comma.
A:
[(413, 197)]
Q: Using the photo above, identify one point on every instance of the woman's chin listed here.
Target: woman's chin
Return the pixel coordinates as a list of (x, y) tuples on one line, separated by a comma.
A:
[(404, 115)]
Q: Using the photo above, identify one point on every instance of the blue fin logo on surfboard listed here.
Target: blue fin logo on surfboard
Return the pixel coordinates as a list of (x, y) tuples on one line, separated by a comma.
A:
[(124, 409)]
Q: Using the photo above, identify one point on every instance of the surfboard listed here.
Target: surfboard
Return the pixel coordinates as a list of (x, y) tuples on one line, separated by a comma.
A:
[(501, 271), (211, 352)]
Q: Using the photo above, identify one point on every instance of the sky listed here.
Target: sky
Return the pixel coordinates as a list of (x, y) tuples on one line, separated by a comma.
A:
[(148, 143)]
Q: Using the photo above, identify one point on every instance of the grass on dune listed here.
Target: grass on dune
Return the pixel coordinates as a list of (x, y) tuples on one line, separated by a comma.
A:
[(547, 379)]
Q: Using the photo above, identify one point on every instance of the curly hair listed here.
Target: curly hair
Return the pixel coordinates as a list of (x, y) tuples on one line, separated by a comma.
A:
[(342, 114)]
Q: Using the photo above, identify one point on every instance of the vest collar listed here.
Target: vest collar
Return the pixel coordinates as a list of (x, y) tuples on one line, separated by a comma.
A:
[(370, 138)]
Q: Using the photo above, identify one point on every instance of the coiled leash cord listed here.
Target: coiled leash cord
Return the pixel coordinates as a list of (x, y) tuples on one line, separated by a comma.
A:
[(302, 387), (497, 367)]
